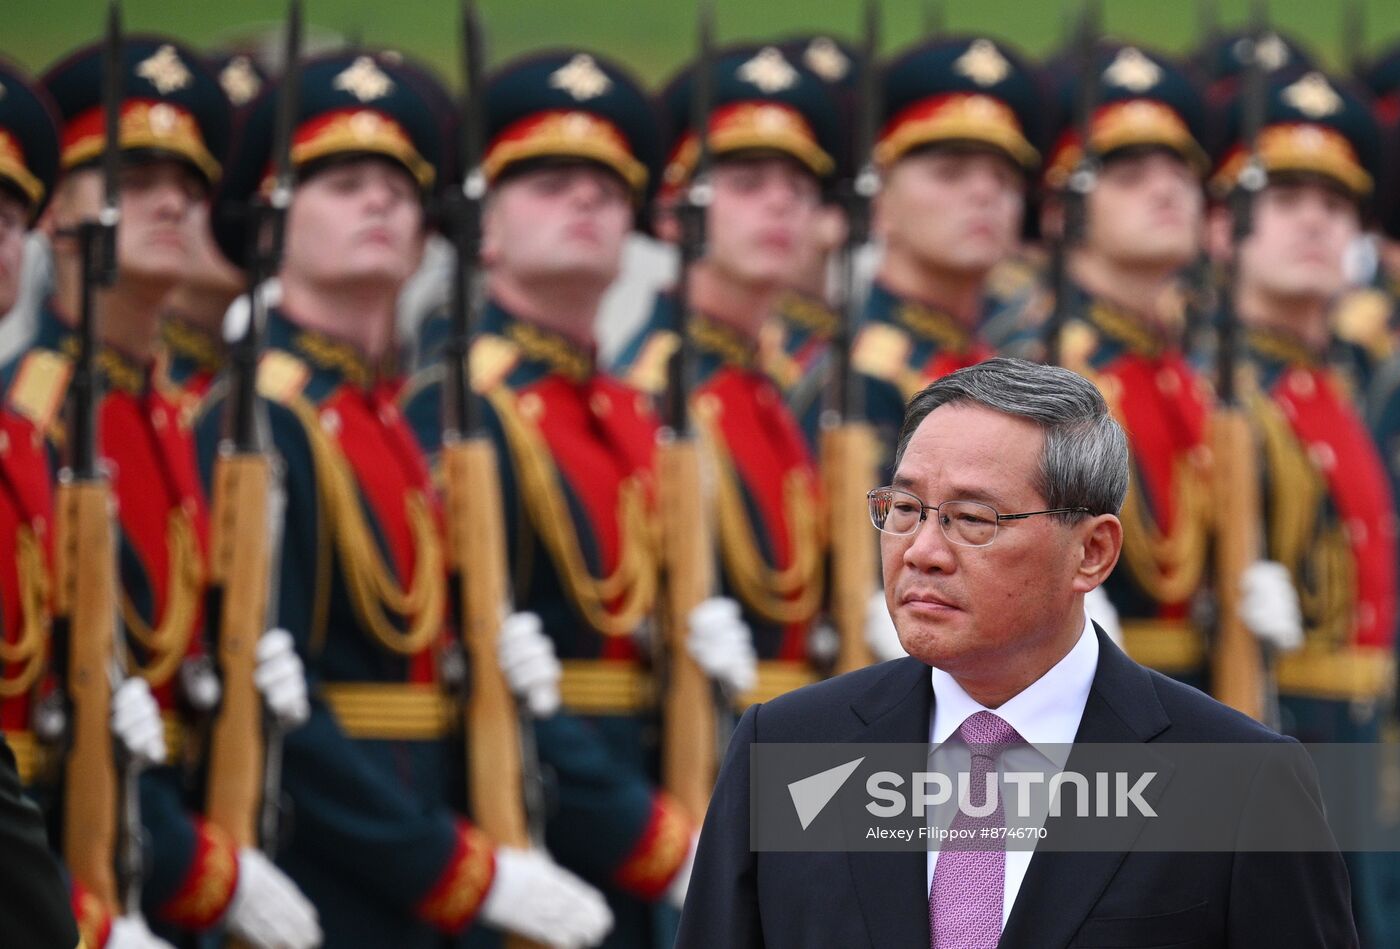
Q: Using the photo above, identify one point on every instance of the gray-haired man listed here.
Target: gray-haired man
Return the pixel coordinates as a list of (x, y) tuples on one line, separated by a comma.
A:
[(1001, 517)]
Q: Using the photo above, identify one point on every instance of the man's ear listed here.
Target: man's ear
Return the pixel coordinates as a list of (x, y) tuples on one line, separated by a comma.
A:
[(1101, 541)]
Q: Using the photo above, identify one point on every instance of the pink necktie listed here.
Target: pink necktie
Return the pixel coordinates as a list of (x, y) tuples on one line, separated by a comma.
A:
[(969, 880)]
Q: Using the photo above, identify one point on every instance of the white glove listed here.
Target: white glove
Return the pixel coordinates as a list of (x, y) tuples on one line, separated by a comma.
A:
[(721, 642), (130, 932), (675, 893), (281, 678), (1100, 609), (268, 910), (531, 668), (534, 897), (136, 722), (880, 634), (1269, 605)]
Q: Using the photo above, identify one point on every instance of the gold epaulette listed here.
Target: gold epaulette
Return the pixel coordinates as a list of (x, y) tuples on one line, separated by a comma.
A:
[(39, 387), (648, 372), (281, 376), (492, 359), (1363, 317), (881, 351)]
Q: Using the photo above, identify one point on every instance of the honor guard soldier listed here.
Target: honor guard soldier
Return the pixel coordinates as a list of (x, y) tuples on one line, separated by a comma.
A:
[(381, 842), (1222, 61), (571, 152), (1329, 517), (954, 153), (193, 313), (1123, 326), (173, 127), (36, 908), (772, 134), (795, 343), (1369, 314)]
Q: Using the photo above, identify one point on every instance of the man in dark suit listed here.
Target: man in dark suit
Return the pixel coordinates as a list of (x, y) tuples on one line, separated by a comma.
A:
[(1027, 471)]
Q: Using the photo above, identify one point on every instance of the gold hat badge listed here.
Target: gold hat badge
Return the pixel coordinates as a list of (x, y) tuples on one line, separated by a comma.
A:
[(983, 63), (1132, 70), (581, 78), (1313, 96), (165, 70), (769, 71), (364, 80)]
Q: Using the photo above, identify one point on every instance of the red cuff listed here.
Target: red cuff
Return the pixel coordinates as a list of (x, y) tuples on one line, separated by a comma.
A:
[(659, 854), (209, 883), (455, 899), (94, 921)]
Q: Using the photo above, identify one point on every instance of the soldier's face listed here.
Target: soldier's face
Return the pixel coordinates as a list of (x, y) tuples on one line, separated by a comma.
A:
[(13, 220), (762, 207), (984, 612), (1298, 246), (952, 210), (357, 223), (1146, 211), (565, 223), (157, 200)]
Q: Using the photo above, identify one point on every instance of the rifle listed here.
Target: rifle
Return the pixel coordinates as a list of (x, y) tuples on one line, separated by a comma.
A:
[(245, 523), (1238, 663), (690, 717), (849, 451), (86, 567), (1082, 180), (504, 781)]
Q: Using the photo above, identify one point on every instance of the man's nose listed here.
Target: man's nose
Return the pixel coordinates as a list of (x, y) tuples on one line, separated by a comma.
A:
[(929, 548)]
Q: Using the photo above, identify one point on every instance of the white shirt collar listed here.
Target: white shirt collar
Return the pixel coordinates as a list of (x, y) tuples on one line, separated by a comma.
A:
[(1044, 713)]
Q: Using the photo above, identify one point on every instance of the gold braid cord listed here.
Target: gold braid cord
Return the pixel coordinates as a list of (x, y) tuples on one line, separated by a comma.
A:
[(632, 584), (1318, 558), (167, 643), (790, 595), (27, 651), (374, 590), (1169, 566)]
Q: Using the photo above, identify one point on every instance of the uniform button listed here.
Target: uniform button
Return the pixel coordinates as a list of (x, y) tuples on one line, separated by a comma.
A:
[(39, 525), (158, 418), (532, 406), (1356, 530), (330, 421), (4, 443), (642, 406), (189, 506), (1322, 456), (1202, 458), (766, 397), (708, 406), (1167, 382), (1302, 384), (1365, 615), (599, 404), (388, 415)]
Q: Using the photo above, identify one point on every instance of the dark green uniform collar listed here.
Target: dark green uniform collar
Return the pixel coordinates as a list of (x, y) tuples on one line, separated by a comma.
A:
[(328, 358), (924, 322), (542, 351), (116, 370)]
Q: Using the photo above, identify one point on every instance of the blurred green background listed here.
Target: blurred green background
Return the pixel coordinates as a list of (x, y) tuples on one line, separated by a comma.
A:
[(654, 36)]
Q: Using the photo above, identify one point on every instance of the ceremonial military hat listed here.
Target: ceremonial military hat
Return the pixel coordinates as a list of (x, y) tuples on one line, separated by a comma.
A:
[(239, 75), (28, 140), (969, 90), (1312, 125), (1143, 100), (350, 104), (172, 105), (761, 101), (570, 105), (1222, 60), (839, 65)]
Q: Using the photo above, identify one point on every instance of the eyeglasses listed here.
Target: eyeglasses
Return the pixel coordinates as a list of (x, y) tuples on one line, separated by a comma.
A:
[(967, 523)]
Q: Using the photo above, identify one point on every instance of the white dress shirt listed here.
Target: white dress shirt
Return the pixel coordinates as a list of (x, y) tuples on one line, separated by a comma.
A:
[(1045, 713)]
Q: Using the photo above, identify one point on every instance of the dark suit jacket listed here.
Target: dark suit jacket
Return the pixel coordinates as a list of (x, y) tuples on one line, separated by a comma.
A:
[(739, 898)]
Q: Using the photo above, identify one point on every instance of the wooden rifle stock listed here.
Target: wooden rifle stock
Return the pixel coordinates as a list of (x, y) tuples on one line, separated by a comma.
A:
[(848, 469), (240, 566), (476, 538), (86, 569), (1237, 666), (689, 742)]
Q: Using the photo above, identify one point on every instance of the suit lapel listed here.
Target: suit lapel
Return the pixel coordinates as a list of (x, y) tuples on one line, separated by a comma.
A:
[(891, 887), (1060, 889)]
